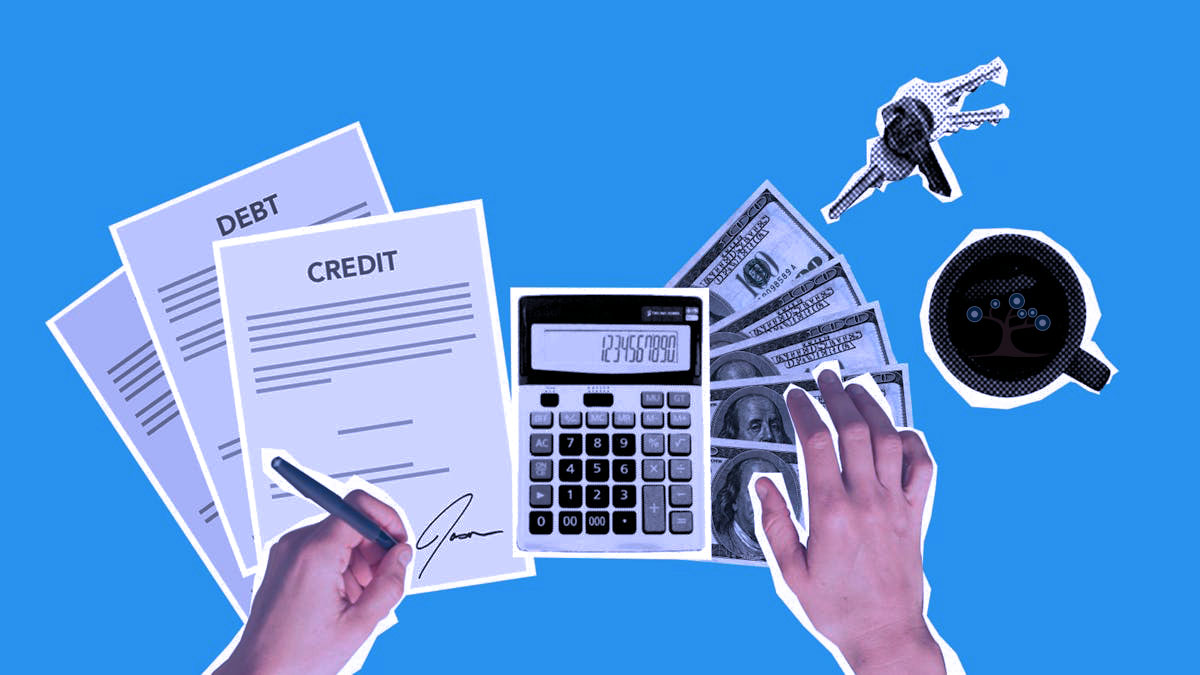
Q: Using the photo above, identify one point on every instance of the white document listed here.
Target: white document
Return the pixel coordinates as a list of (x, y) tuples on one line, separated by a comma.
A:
[(167, 252), (372, 348), (104, 336)]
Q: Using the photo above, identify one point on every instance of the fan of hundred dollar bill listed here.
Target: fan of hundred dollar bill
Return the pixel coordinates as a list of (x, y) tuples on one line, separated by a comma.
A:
[(782, 301)]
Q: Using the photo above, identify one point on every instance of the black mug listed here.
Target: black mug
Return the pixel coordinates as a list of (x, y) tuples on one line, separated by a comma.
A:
[(1007, 316)]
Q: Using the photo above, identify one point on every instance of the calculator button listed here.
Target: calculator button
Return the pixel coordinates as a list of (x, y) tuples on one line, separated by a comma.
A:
[(570, 445), (594, 399), (679, 399), (652, 444), (597, 420), (597, 496), (681, 469), (681, 522), (624, 470), (624, 420), (652, 420), (541, 419), (570, 522), (597, 470), (570, 496), (549, 400), (624, 445), (681, 444), (654, 509), (597, 445), (541, 444), (624, 522), (654, 469), (624, 496), (679, 420), (570, 420), (652, 399), (541, 469), (681, 495), (571, 470), (541, 495), (597, 522), (541, 522)]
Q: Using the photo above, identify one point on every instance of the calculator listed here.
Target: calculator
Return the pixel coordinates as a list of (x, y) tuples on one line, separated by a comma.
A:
[(612, 431)]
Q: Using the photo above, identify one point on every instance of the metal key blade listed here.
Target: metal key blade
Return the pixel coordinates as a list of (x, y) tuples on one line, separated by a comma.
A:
[(870, 179), (973, 119)]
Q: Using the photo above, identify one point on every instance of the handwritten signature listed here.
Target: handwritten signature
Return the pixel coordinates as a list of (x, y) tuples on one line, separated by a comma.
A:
[(445, 522)]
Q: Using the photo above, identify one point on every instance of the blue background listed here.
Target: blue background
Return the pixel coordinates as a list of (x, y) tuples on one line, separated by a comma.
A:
[(608, 143)]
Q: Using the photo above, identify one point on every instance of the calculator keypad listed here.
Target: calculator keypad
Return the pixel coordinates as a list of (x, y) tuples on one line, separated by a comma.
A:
[(613, 465)]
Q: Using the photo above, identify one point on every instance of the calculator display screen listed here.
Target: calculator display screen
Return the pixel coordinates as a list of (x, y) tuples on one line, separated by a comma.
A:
[(610, 348)]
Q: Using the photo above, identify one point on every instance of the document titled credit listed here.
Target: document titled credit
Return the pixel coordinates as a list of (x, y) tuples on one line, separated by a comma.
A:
[(372, 349)]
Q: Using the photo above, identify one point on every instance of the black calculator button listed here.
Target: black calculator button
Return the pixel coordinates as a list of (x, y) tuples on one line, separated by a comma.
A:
[(541, 469), (597, 522), (624, 445), (597, 496), (570, 470), (653, 444), (549, 400), (681, 522), (541, 522), (570, 522), (624, 470), (597, 445), (541, 495), (570, 419), (679, 399), (541, 444), (596, 399), (624, 496), (654, 509), (652, 399), (597, 470), (624, 522), (570, 496), (570, 444)]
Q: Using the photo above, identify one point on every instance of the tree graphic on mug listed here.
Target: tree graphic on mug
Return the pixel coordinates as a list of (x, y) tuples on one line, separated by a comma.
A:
[(1011, 316)]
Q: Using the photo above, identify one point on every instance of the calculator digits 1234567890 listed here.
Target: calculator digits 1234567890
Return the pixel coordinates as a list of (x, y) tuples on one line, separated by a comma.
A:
[(612, 442)]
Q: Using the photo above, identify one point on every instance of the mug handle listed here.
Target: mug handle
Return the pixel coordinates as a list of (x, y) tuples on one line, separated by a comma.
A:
[(1088, 370)]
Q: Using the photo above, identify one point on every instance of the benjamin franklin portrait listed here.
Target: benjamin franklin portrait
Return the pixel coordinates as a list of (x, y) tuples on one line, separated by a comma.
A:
[(753, 414), (732, 511)]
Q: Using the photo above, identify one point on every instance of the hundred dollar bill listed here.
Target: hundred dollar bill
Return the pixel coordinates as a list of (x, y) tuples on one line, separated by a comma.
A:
[(732, 464), (762, 249), (830, 291), (857, 340), (755, 410)]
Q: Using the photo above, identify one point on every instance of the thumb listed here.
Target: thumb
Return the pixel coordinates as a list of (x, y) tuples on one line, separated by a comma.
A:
[(783, 542), (385, 590)]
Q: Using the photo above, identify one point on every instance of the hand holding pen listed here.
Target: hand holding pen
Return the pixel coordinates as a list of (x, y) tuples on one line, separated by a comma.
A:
[(326, 587)]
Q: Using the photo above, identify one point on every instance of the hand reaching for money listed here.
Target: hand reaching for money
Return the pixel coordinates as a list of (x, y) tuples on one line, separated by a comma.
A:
[(859, 578)]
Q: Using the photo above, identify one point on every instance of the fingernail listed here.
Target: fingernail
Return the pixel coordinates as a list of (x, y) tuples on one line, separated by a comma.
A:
[(856, 389), (405, 555), (760, 486), (828, 376)]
